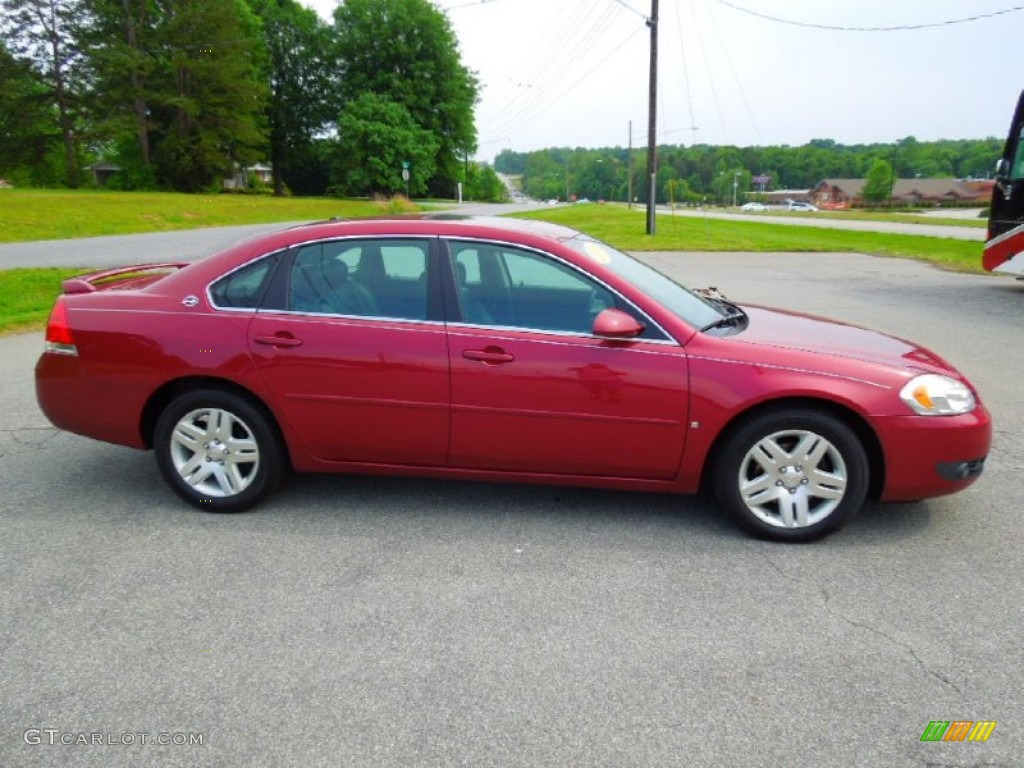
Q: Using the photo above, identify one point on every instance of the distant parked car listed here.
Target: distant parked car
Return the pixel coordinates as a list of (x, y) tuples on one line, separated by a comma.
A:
[(753, 207), (801, 206)]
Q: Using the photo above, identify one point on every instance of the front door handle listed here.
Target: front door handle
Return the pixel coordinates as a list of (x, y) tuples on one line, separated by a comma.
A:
[(490, 356), (283, 339)]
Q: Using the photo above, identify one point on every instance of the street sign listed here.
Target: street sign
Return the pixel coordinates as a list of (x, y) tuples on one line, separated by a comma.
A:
[(405, 174)]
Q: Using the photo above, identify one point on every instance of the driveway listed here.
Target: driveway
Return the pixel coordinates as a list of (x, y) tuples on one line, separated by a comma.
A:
[(355, 621)]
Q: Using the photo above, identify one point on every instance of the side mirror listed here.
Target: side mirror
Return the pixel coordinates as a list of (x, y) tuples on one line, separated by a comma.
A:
[(616, 324), (1003, 176)]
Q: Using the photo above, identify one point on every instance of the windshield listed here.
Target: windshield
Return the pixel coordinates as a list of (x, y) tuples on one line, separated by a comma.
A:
[(683, 303)]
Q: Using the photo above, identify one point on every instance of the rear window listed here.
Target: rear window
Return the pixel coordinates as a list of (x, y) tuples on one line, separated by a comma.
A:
[(243, 288)]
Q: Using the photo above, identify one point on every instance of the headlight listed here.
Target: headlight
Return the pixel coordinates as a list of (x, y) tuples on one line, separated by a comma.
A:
[(934, 395)]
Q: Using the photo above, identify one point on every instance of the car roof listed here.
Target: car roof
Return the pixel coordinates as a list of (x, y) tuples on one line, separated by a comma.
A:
[(444, 224)]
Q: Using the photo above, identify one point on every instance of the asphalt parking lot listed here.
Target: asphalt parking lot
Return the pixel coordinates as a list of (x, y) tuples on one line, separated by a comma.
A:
[(368, 621)]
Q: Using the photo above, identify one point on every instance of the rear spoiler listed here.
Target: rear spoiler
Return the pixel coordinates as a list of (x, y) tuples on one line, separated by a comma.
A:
[(95, 281)]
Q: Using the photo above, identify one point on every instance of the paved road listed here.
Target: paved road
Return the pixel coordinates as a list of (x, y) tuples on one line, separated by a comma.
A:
[(373, 622), (182, 245), (188, 245), (827, 222)]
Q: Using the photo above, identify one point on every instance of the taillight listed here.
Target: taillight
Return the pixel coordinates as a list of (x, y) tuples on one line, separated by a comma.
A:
[(59, 338)]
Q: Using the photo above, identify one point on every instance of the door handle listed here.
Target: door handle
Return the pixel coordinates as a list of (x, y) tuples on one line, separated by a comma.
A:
[(491, 355), (279, 340)]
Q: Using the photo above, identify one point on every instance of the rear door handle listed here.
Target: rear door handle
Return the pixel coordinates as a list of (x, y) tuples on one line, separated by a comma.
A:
[(491, 355), (279, 340)]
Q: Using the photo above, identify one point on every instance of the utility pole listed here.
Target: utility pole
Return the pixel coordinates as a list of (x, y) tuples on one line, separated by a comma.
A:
[(652, 113), (630, 172)]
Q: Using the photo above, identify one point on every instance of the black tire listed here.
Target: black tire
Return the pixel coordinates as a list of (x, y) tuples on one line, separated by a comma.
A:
[(218, 451), (791, 475)]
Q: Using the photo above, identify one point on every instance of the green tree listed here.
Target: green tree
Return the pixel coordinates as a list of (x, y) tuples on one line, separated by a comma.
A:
[(45, 33), (208, 99), (300, 82), (878, 184), (180, 88), (123, 52), (28, 134), (375, 137), (544, 177), (406, 52), (484, 185)]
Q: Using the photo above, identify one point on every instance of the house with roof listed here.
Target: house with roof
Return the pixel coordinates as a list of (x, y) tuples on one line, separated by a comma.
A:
[(848, 193)]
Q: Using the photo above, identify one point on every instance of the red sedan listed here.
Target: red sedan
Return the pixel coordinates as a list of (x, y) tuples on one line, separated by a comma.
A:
[(498, 350)]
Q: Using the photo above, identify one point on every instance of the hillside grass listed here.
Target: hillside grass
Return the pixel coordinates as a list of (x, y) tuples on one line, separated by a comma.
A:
[(37, 214), (625, 229)]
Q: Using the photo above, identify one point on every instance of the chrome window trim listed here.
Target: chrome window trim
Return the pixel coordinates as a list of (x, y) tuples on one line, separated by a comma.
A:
[(302, 244), (499, 329), (623, 344), (367, 318)]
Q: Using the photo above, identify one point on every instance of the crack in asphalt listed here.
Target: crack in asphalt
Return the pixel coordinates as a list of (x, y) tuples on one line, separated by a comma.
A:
[(834, 612), (31, 437)]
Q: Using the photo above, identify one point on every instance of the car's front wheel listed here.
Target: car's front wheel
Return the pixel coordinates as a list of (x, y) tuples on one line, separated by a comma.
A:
[(217, 451), (791, 475)]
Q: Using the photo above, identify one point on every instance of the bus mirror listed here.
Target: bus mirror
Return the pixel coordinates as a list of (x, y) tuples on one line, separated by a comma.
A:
[(1002, 168)]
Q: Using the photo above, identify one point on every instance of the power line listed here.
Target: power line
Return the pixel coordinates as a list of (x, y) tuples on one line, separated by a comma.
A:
[(735, 77), (686, 76), (539, 106), (629, 7), (899, 28), (469, 4), (563, 63)]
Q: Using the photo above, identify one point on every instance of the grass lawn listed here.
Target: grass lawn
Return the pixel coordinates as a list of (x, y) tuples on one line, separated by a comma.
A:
[(26, 296), (49, 214), (625, 229)]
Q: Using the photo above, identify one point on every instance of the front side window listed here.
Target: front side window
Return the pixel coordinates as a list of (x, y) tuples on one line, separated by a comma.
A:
[(680, 301), (501, 285), (366, 278)]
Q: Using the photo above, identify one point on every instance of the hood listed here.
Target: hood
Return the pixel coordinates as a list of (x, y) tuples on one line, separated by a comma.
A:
[(794, 332)]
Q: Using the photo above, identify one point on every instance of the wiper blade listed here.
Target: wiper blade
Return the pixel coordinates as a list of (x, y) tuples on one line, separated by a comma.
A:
[(722, 322), (733, 315)]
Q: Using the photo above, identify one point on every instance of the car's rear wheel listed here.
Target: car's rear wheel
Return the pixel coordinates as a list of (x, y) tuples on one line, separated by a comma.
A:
[(218, 451), (791, 475)]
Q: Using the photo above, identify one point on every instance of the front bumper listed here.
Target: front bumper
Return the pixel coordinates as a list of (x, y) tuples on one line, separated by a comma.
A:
[(928, 456)]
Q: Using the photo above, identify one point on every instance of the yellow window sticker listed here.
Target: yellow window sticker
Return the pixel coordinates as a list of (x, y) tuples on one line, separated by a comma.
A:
[(597, 252)]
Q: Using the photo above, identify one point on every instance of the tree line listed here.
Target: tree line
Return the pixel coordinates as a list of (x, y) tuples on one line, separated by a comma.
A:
[(180, 94), (718, 174)]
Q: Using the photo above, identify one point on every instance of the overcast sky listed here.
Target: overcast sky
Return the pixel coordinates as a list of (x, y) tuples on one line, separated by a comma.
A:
[(575, 72)]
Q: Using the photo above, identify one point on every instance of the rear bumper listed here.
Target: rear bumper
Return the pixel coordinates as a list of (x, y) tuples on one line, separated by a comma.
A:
[(101, 409), (933, 456)]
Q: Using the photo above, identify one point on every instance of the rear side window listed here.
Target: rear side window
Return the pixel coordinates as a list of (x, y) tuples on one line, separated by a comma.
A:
[(379, 277), (243, 288)]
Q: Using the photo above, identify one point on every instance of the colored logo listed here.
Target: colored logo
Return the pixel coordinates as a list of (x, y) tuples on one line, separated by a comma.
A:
[(958, 730)]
